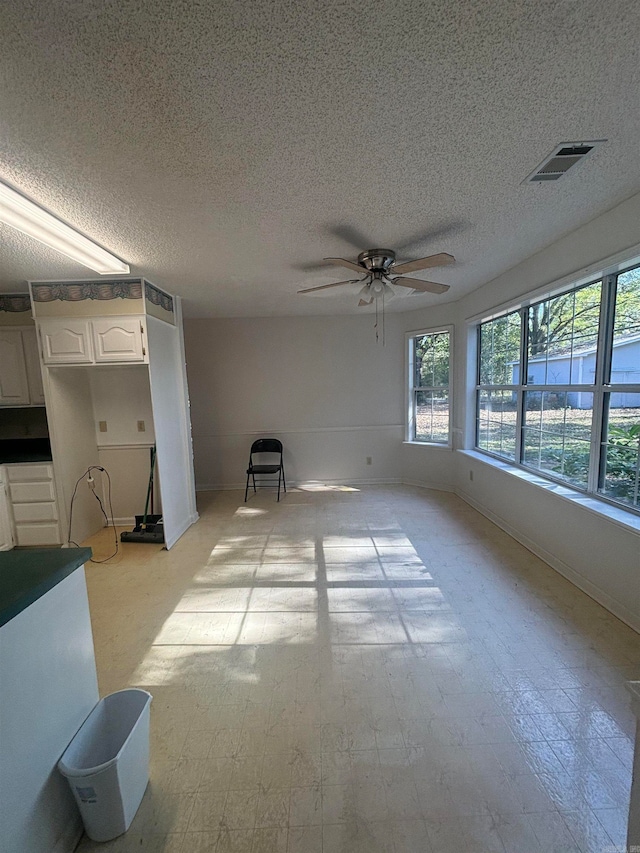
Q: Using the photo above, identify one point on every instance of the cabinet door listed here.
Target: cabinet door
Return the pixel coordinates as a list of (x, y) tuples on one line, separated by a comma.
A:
[(32, 496), (118, 339), (28, 472), (38, 534), (6, 539), (14, 388), (34, 372), (65, 341)]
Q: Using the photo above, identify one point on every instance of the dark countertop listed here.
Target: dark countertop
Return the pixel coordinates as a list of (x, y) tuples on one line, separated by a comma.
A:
[(24, 450), (25, 576)]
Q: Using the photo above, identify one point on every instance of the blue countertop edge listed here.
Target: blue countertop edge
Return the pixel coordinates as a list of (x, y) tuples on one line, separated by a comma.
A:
[(25, 576)]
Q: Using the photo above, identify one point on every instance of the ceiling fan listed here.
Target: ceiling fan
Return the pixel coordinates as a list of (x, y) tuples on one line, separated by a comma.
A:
[(378, 266)]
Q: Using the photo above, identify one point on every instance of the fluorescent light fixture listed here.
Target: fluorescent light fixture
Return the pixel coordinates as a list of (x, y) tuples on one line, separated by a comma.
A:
[(26, 216)]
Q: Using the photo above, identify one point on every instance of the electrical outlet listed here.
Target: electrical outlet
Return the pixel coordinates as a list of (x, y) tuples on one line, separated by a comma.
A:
[(471, 475), (368, 460), (141, 426), (102, 426)]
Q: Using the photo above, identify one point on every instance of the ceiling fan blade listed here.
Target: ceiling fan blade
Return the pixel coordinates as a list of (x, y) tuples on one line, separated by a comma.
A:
[(441, 260), (419, 284), (350, 265), (324, 286), (364, 302)]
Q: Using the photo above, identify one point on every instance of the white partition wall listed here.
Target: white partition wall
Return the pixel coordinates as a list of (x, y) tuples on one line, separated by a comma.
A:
[(171, 423), (49, 686), (115, 383)]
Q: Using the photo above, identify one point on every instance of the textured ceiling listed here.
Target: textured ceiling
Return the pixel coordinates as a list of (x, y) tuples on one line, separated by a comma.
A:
[(222, 148)]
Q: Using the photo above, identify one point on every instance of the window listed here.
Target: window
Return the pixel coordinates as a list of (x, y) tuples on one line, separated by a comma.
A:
[(558, 387), (429, 387), (499, 362)]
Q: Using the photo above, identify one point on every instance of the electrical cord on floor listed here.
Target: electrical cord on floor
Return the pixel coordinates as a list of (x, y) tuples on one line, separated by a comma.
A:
[(92, 486)]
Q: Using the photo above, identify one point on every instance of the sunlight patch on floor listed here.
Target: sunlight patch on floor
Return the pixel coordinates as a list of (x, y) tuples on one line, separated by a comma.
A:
[(380, 670)]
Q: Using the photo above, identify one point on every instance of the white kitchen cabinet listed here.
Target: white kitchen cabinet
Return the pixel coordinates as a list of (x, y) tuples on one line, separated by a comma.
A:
[(99, 340), (32, 362), (20, 373), (118, 339), (32, 495), (14, 386), (6, 536), (66, 341)]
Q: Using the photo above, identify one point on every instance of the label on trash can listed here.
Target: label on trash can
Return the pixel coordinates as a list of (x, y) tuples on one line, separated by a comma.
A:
[(87, 795)]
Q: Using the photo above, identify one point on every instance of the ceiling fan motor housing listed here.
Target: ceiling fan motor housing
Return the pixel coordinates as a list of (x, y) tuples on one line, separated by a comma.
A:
[(377, 260)]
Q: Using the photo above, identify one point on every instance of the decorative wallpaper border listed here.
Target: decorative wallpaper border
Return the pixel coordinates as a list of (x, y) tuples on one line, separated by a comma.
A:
[(158, 297), (78, 291), (15, 303)]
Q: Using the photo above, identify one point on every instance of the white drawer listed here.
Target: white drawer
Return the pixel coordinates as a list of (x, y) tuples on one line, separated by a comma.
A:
[(24, 513), (28, 473), (31, 492), (38, 534)]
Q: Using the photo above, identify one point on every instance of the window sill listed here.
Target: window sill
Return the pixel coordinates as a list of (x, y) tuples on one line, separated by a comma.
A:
[(428, 444), (629, 521)]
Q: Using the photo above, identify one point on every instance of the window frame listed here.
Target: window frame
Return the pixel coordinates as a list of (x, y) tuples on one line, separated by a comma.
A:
[(411, 389), (514, 388), (601, 389)]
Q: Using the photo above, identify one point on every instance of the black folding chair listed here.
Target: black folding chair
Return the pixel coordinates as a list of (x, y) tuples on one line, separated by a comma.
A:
[(265, 445)]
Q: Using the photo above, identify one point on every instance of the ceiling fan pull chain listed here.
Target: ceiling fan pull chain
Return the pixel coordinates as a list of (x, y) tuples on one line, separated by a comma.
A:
[(376, 323), (384, 343)]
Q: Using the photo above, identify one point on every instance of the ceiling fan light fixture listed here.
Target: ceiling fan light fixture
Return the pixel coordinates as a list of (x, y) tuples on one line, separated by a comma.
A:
[(28, 217)]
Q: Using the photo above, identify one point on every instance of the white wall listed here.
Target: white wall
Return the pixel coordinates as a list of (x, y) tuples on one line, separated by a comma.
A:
[(597, 554), (128, 469), (333, 396), (121, 396), (78, 399), (320, 384), (74, 448)]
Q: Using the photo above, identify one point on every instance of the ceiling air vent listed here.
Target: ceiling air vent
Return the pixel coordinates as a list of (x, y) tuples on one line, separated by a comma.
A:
[(561, 159)]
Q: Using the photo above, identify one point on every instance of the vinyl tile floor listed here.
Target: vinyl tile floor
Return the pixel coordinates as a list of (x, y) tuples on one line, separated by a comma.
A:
[(375, 670)]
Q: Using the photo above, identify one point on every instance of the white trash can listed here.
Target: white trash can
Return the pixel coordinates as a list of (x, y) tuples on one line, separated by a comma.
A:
[(107, 763)]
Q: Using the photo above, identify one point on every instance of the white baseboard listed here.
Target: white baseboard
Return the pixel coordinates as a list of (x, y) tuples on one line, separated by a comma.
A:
[(233, 487), (611, 604), (439, 487)]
